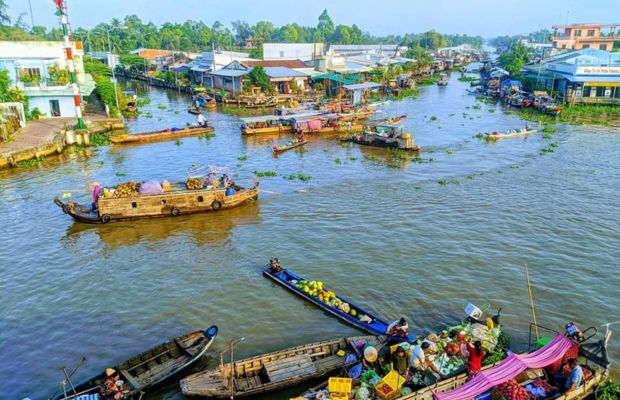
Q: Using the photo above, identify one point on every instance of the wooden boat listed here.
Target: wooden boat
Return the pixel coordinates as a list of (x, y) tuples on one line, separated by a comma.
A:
[(375, 325), (175, 202), (510, 134), (443, 79), (151, 367), (384, 135), (273, 371), (156, 136), (288, 146), (592, 356), (268, 124)]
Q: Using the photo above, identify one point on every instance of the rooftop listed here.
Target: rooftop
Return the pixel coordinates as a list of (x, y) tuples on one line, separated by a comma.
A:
[(283, 72), (276, 63)]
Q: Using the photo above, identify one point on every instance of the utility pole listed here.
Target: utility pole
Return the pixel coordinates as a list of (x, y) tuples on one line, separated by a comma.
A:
[(31, 15), (61, 12)]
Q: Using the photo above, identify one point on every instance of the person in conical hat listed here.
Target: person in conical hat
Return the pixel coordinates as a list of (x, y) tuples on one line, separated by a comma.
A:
[(110, 371)]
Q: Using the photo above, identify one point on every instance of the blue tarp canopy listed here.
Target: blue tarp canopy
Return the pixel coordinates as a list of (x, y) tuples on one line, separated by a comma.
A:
[(510, 82)]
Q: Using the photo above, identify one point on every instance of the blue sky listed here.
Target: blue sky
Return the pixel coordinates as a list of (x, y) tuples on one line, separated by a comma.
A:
[(476, 17)]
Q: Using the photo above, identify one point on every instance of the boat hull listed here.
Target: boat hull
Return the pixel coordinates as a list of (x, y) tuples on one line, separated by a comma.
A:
[(168, 204), (259, 374), (171, 358), (377, 327), (281, 149), (380, 143), (159, 135), (500, 136)]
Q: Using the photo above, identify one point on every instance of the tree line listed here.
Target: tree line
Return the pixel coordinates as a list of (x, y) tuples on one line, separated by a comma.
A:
[(132, 33)]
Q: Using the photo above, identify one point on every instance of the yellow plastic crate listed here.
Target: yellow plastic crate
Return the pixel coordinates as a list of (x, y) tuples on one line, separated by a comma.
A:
[(338, 396), (394, 380), (340, 385)]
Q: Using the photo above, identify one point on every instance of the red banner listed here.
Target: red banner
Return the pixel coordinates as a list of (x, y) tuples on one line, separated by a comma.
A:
[(59, 3)]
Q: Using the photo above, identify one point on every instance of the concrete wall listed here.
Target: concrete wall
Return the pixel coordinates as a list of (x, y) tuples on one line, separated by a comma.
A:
[(67, 107), (292, 51)]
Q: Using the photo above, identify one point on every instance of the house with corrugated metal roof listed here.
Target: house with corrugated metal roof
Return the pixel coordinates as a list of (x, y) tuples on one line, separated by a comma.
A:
[(283, 80), (587, 76)]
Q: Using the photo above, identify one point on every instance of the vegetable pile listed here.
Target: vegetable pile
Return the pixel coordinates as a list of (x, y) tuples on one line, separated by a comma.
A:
[(511, 390)]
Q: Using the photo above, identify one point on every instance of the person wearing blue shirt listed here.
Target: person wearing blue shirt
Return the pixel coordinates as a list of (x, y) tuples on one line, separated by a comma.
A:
[(574, 379)]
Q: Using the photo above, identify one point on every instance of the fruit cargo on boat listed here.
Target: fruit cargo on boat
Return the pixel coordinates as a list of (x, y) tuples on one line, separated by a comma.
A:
[(276, 370), (166, 134), (338, 306), (149, 368), (125, 201)]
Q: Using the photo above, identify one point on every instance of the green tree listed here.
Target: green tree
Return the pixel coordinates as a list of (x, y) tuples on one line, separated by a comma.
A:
[(242, 30), (326, 25), (513, 60), (342, 35), (5, 20), (263, 30), (258, 77)]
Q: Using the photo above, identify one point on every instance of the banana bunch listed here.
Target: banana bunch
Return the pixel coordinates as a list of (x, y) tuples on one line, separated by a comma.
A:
[(194, 183), (127, 189)]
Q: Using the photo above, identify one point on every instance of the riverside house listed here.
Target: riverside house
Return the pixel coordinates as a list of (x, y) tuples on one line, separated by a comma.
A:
[(586, 76), (283, 80), (39, 69)]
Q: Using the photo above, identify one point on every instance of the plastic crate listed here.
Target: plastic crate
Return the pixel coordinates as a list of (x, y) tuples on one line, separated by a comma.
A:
[(338, 396), (340, 385), (391, 395), (394, 380)]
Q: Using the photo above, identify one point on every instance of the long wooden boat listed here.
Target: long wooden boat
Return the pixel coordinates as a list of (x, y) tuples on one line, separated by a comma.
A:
[(159, 135), (283, 124), (374, 324), (168, 204), (509, 134), (274, 371), (346, 127), (590, 355), (288, 146), (151, 367)]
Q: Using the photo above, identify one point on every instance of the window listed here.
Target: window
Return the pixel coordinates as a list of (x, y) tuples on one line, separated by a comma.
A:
[(200, 199), (577, 32), (30, 74), (563, 46), (591, 32), (54, 108), (134, 204), (163, 201), (281, 54), (585, 46), (603, 46)]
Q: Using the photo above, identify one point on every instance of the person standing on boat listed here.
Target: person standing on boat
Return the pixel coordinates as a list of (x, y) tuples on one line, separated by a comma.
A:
[(300, 139), (201, 121), (474, 359), (400, 362), (96, 194)]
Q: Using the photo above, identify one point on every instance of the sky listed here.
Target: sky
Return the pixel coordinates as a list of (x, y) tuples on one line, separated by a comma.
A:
[(487, 18)]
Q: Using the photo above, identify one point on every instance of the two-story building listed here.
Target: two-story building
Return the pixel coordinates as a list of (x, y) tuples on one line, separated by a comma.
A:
[(586, 76), (39, 69), (583, 36)]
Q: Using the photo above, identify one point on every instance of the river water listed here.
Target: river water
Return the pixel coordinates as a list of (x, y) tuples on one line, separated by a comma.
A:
[(393, 240)]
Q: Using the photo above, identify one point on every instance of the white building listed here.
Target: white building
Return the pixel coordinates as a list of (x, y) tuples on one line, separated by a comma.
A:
[(212, 61), (293, 51), (390, 50), (40, 70)]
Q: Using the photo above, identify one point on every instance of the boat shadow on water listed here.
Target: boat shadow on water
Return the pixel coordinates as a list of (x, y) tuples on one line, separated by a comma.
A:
[(207, 228)]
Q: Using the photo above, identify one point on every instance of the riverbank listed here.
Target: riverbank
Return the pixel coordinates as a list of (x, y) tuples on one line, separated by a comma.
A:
[(44, 137)]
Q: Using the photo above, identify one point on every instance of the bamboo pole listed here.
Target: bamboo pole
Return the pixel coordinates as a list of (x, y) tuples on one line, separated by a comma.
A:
[(533, 309)]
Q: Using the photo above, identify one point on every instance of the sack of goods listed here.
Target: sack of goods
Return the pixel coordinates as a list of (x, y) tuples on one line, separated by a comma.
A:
[(194, 183)]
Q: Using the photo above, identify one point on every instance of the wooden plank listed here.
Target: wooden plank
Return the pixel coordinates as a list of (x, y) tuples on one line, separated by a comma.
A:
[(294, 372), (130, 379), (280, 370), (328, 363)]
